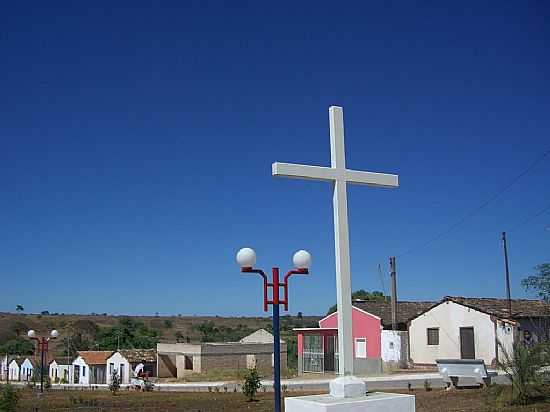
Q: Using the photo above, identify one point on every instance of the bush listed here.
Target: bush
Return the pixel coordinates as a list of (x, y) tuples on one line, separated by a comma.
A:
[(114, 386), (251, 384), (9, 399), (525, 366)]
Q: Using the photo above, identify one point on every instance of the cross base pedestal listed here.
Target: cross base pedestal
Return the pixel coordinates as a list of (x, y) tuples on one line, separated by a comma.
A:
[(372, 402)]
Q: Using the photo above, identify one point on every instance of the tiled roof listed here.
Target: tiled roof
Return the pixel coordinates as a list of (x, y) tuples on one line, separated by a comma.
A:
[(521, 308), (139, 355), (93, 357), (405, 310)]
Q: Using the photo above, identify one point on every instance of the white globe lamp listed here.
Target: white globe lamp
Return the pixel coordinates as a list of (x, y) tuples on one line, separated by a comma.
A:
[(246, 257), (31, 334), (302, 259), (54, 334)]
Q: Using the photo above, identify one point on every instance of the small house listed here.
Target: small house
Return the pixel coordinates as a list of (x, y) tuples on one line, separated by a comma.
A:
[(59, 370), (89, 367), (375, 346), (4, 367), (26, 373), (14, 369), (176, 360), (476, 328), (130, 363)]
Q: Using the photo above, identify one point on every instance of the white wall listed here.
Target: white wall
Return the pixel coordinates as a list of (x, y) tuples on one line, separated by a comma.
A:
[(84, 379), (26, 370), (391, 346), (120, 363), (449, 317), (52, 370), (13, 371), (505, 335)]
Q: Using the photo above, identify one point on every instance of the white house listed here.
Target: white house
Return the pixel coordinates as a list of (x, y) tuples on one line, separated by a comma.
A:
[(122, 366), (463, 328), (4, 367), (89, 367), (131, 363), (26, 370), (13, 370), (60, 370)]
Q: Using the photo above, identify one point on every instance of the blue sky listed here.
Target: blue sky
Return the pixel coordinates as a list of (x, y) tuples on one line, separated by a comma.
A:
[(137, 140)]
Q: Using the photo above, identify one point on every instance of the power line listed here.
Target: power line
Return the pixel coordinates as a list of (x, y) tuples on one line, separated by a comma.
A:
[(530, 218), (478, 208)]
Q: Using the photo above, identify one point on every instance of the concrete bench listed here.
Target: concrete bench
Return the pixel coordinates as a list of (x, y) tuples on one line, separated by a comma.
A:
[(467, 370)]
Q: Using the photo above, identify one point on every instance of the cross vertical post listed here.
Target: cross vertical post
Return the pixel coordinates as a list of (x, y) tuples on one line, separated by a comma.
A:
[(339, 176), (341, 244)]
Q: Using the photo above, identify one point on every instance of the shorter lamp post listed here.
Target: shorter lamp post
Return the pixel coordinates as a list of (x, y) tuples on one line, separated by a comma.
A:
[(246, 258), (42, 343)]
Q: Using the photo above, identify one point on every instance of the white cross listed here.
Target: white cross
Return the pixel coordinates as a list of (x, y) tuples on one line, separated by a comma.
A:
[(338, 174)]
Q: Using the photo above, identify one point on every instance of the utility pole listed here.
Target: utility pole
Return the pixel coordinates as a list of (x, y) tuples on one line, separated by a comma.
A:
[(393, 275), (505, 245)]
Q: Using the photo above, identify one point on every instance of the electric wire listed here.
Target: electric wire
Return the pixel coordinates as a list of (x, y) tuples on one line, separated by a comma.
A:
[(530, 218), (478, 208)]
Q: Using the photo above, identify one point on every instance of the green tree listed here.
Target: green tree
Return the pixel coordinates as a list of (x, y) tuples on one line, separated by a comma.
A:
[(128, 334), (207, 331), (9, 399), (539, 281), (114, 386), (362, 294), (168, 324), (17, 346), (251, 384), (18, 327)]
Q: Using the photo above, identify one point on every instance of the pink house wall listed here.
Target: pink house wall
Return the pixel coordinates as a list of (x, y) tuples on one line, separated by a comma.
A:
[(364, 325)]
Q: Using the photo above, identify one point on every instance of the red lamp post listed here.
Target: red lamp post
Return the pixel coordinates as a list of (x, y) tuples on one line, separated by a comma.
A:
[(246, 258), (42, 344)]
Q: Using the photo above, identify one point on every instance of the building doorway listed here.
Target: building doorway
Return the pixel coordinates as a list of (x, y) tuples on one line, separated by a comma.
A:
[(467, 343)]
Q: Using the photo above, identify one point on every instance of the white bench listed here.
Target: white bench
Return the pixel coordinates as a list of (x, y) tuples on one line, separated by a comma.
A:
[(451, 370)]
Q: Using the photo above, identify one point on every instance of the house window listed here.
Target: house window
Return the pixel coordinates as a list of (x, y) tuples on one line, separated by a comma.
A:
[(433, 336), (121, 372), (84, 371), (111, 369), (361, 348), (391, 345)]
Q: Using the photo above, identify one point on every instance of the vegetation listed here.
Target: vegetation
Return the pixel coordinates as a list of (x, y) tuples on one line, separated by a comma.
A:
[(251, 384), (539, 281), (212, 333), (362, 294), (9, 399), (168, 324), (114, 386), (17, 346), (128, 334), (525, 366)]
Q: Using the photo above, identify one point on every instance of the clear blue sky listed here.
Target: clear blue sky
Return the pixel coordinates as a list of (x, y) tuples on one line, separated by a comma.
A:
[(137, 142)]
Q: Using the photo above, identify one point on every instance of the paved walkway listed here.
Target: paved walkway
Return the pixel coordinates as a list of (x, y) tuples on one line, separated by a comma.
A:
[(395, 381)]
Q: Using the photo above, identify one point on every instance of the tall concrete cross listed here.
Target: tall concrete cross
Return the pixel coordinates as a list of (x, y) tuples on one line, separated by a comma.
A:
[(338, 174)]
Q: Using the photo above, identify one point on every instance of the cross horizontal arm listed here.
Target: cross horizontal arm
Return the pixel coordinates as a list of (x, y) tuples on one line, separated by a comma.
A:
[(303, 171), (372, 178)]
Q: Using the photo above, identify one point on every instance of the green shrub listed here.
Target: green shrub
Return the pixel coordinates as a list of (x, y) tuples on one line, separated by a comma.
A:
[(525, 365), (114, 386), (251, 384), (9, 399)]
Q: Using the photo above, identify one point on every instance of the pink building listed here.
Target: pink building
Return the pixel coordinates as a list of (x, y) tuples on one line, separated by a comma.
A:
[(318, 347)]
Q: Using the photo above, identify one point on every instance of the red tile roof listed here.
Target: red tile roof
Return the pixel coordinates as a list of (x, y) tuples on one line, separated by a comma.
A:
[(93, 357)]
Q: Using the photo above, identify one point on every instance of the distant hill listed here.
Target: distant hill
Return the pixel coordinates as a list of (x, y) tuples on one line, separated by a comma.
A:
[(94, 330)]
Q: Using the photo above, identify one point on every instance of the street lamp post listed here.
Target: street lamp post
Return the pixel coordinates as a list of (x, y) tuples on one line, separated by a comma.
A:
[(42, 343), (246, 258)]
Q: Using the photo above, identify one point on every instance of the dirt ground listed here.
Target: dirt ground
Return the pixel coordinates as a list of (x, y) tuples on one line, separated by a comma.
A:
[(465, 400)]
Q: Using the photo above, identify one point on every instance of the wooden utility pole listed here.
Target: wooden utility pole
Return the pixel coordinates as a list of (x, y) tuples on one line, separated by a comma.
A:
[(505, 245), (393, 275)]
